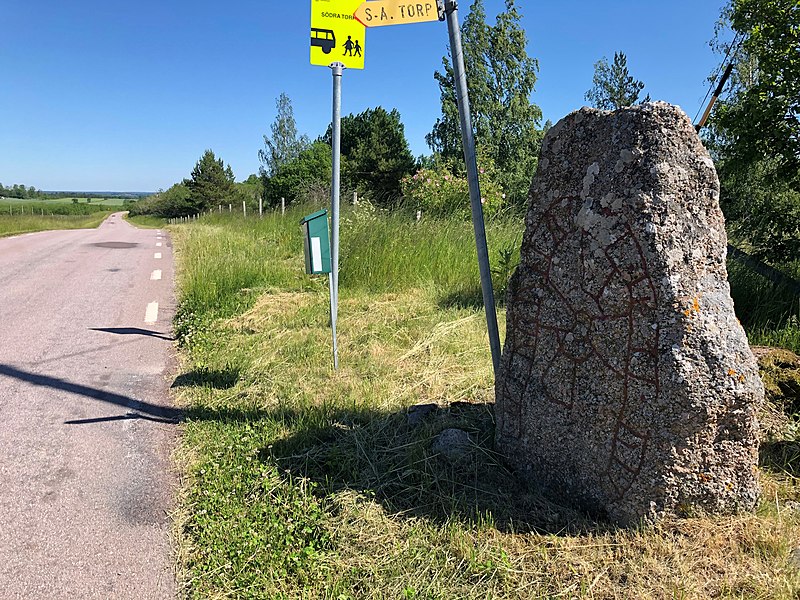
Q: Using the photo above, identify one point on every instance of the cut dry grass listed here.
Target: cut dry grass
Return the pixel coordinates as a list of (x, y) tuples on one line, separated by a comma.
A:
[(311, 484)]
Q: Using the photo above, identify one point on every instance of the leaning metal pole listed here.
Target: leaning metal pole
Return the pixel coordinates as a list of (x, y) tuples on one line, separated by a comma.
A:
[(336, 138), (468, 138)]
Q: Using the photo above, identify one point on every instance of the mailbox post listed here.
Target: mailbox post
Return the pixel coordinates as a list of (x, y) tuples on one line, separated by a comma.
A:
[(317, 247), (316, 244)]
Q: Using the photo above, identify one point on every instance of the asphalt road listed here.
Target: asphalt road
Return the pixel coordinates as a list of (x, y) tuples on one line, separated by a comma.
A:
[(86, 427)]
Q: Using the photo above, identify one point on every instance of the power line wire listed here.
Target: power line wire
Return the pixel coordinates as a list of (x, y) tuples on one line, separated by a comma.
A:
[(719, 70)]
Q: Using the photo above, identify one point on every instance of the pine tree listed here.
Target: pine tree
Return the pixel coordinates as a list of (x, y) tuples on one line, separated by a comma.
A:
[(211, 183), (375, 152), (614, 87)]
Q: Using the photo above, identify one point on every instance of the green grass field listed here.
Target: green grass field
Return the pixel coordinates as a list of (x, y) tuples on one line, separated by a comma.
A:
[(18, 225), (113, 202), (17, 217), (301, 482), (27, 207)]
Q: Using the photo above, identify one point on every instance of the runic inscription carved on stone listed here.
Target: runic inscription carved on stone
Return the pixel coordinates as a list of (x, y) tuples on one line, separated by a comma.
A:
[(627, 384)]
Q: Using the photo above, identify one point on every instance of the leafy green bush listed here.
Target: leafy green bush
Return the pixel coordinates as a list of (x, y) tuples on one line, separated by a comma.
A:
[(173, 202), (312, 168), (439, 192), (762, 209)]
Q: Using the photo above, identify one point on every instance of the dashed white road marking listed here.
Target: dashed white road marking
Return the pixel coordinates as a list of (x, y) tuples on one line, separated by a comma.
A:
[(151, 314), (158, 245), (156, 275), (157, 255)]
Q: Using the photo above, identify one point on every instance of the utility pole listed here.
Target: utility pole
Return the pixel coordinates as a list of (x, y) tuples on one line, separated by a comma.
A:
[(714, 97)]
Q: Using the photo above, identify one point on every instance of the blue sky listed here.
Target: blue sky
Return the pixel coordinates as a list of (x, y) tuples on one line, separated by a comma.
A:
[(122, 96)]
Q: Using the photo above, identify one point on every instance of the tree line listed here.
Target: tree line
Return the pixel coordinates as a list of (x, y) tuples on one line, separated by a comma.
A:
[(19, 191), (753, 132), (22, 192)]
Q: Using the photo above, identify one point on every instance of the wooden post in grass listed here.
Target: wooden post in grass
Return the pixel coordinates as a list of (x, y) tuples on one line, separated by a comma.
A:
[(283, 206), (244, 208), (260, 207)]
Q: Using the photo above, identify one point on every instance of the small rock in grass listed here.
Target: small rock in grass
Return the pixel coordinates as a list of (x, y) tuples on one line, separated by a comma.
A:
[(453, 444), (792, 505), (794, 559)]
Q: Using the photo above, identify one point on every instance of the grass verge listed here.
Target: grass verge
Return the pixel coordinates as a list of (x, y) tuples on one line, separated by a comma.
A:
[(304, 483), (146, 221)]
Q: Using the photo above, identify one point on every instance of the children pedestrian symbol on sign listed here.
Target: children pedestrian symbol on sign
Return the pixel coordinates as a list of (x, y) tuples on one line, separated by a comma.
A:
[(348, 47), (357, 49)]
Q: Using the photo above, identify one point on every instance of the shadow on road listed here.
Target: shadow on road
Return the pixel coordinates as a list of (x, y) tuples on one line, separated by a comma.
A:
[(126, 417), (153, 412), (133, 331)]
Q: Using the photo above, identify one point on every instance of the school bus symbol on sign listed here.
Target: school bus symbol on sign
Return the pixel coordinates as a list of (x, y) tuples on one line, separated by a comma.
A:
[(336, 36)]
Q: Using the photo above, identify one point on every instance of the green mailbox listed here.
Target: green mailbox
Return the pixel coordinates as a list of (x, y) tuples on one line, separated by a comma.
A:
[(316, 245)]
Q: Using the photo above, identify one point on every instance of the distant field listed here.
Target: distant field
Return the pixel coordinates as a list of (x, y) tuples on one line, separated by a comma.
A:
[(16, 208), (27, 216), (19, 224), (69, 200)]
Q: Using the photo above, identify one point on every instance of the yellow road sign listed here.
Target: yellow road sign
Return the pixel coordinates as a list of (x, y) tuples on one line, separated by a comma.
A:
[(336, 36), (396, 12)]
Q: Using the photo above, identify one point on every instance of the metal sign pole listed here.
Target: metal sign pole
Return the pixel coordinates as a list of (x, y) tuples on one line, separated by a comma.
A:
[(468, 139), (336, 136)]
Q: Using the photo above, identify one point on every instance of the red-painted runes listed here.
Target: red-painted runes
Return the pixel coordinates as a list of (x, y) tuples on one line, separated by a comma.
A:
[(583, 328)]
